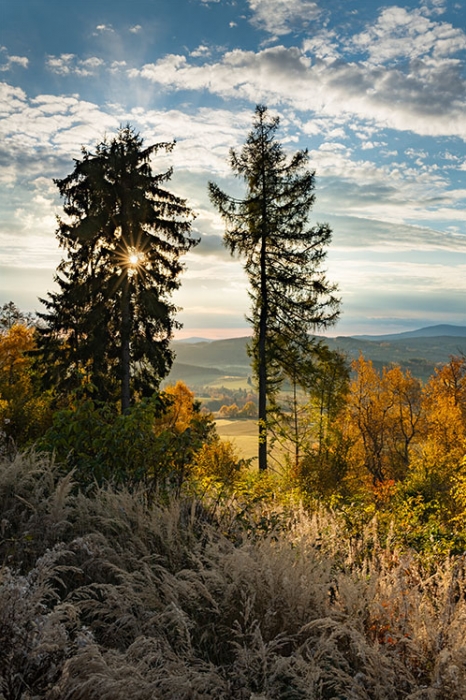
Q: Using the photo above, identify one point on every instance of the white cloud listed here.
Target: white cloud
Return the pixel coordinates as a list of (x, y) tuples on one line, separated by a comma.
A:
[(280, 17), (201, 51), (427, 97), (88, 66), (43, 130), (115, 66), (103, 28), (11, 61), (323, 45), (400, 34), (434, 7), (60, 64), (136, 29), (69, 64), (11, 99), (203, 139)]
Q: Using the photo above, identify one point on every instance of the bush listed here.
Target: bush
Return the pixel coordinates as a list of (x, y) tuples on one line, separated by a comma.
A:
[(146, 445)]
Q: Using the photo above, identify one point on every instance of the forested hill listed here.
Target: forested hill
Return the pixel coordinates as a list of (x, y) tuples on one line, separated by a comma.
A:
[(419, 351)]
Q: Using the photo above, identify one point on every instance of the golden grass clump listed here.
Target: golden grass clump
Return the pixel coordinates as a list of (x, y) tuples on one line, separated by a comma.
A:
[(106, 595)]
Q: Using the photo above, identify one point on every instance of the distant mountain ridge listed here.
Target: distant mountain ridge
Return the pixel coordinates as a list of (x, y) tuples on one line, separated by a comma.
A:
[(442, 330), (192, 340), (419, 351)]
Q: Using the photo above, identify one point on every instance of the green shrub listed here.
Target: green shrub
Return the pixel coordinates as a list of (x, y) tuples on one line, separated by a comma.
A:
[(143, 446)]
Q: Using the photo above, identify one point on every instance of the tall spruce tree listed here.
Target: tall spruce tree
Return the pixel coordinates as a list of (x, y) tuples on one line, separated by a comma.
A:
[(111, 320), (283, 257)]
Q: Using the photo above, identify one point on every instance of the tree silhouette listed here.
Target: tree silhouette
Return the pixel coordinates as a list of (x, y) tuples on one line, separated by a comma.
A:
[(110, 322), (283, 256)]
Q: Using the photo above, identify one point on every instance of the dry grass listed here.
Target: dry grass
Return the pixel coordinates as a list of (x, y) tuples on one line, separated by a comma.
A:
[(106, 597)]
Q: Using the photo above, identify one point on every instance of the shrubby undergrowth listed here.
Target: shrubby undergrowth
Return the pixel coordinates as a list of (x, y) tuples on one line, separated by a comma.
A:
[(107, 594)]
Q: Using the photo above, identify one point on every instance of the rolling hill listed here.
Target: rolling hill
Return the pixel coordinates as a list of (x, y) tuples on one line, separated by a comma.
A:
[(443, 330), (207, 362)]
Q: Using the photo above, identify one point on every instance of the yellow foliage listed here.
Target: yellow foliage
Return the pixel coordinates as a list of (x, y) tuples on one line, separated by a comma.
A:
[(383, 419), (445, 407), (23, 414), (217, 460), (15, 343), (183, 407)]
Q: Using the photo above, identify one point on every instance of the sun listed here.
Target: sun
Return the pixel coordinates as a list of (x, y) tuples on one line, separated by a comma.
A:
[(134, 261), (134, 258)]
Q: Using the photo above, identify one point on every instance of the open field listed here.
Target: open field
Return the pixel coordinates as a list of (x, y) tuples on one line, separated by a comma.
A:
[(242, 433), (228, 382)]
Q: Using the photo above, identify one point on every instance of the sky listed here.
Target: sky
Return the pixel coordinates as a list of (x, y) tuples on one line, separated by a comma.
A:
[(376, 91)]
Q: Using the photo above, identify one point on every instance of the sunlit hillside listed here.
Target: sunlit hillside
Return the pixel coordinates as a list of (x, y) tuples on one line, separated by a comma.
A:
[(197, 363)]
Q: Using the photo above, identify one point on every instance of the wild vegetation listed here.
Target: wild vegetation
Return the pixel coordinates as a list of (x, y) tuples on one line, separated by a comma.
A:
[(108, 593), (142, 557)]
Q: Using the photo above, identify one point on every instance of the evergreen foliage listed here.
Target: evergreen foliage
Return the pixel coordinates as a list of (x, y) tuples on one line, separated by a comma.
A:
[(283, 257), (109, 324)]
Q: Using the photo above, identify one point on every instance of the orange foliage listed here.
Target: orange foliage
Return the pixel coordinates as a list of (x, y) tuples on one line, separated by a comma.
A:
[(15, 343), (384, 417), (445, 407), (183, 408), (23, 414)]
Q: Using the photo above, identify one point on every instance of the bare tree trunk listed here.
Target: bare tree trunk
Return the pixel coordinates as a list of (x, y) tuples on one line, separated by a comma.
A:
[(125, 347)]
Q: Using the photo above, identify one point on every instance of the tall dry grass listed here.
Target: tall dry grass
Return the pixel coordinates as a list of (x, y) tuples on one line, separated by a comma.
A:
[(104, 596)]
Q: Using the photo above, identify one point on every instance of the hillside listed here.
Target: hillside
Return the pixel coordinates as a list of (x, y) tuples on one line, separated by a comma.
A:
[(206, 362), (227, 354), (418, 354), (429, 332)]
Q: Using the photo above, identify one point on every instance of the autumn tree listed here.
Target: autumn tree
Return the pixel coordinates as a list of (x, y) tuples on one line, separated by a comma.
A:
[(111, 320), (23, 409), (444, 403), (407, 424), (184, 430), (385, 415), (283, 256)]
